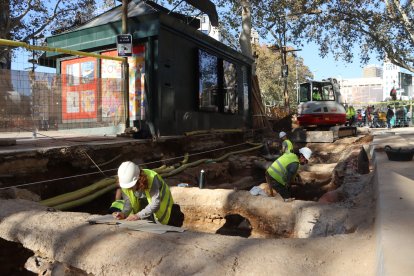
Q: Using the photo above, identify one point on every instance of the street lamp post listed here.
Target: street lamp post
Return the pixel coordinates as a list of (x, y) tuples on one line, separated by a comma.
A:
[(283, 51), (296, 77), (285, 74)]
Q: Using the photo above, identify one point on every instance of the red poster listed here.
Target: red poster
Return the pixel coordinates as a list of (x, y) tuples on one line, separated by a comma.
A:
[(79, 95)]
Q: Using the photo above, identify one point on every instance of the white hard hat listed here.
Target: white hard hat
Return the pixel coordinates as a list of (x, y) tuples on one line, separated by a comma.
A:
[(128, 174), (282, 134), (306, 152)]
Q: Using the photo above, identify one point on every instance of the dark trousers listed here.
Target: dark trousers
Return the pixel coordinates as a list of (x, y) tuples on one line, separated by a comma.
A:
[(283, 190)]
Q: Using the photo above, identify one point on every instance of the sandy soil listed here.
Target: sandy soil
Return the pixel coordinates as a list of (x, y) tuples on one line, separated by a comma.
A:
[(334, 236)]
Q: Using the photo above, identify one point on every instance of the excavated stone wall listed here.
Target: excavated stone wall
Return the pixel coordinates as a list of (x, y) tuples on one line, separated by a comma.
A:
[(66, 239)]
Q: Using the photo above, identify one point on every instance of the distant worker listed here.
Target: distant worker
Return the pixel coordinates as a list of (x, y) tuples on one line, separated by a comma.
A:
[(368, 113), (409, 118), (316, 96), (283, 171), (287, 145), (137, 183), (393, 94), (390, 114), (363, 115), (350, 115)]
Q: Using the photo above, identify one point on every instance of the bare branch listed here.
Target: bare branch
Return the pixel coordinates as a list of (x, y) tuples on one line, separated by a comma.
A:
[(17, 20), (405, 20)]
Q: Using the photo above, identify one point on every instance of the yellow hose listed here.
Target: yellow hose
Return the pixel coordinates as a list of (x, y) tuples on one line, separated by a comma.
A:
[(82, 196), (78, 193), (86, 199)]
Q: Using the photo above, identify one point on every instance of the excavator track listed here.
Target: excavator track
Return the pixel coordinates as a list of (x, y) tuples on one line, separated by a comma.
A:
[(322, 136)]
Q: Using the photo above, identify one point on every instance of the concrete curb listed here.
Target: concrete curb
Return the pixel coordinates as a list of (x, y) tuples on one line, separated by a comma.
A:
[(394, 212)]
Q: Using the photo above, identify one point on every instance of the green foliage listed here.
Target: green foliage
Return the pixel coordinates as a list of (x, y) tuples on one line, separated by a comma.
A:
[(24, 19), (270, 78), (384, 29)]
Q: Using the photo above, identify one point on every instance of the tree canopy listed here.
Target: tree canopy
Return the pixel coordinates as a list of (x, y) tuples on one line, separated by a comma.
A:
[(22, 20), (269, 74), (383, 29)]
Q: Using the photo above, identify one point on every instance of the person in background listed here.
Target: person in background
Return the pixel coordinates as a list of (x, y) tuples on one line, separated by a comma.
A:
[(393, 94), (390, 114), (368, 113), (316, 96), (405, 121), (409, 118), (139, 183), (350, 115), (287, 145), (363, 114), (283, 171)]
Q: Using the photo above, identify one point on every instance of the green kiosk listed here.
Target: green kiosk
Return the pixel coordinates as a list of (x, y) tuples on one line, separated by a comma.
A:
[(180, 79)]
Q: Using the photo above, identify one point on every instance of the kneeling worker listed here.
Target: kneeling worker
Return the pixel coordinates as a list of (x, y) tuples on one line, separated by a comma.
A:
[(136, 183), (280, 174), (287, 145)]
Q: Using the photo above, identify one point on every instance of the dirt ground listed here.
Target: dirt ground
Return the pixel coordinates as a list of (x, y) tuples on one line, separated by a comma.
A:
[(328, 227)]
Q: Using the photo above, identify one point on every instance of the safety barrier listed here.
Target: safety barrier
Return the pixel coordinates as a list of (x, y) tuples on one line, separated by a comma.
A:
[(373, 114), (86, 94)]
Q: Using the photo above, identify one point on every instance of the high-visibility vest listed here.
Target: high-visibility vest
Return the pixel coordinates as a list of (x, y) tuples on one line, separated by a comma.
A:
[(164, 212), (350, 112), (132, 199), (289, 145), (119, 204), (278, 169)]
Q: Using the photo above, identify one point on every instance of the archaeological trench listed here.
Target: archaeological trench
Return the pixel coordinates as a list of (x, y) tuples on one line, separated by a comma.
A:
[(228, 229)]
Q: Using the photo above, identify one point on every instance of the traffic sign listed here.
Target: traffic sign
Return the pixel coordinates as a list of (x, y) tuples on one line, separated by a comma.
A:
[(124, 45)]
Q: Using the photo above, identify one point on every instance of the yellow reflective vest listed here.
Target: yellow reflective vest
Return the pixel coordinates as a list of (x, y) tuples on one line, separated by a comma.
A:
[(289, 146), (350, 112), (278, 169), (166, 201)]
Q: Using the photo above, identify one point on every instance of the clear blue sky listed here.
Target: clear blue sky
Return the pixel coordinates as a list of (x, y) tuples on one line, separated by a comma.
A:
[(328, 67)]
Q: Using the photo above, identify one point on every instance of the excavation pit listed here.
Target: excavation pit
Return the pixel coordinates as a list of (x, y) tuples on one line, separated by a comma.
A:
[(225, 206)]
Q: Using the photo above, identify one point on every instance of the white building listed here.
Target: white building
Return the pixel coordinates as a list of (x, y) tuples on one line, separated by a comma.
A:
[(208, 29), (372, 71), (376, 85), (361, 91), (254, 40)]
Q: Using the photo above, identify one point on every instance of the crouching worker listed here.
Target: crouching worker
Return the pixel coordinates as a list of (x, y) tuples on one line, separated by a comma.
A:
[(287, 145), (137, 183), (283, 171)]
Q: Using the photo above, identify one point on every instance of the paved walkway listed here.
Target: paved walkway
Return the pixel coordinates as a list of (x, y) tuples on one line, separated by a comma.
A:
[(25, 141), (395, 204)]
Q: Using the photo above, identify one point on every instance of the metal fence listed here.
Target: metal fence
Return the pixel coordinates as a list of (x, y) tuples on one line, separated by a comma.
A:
[(34, 99)]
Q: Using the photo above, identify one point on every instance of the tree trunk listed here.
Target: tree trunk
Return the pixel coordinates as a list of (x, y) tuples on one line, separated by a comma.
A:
[(245, 35)]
